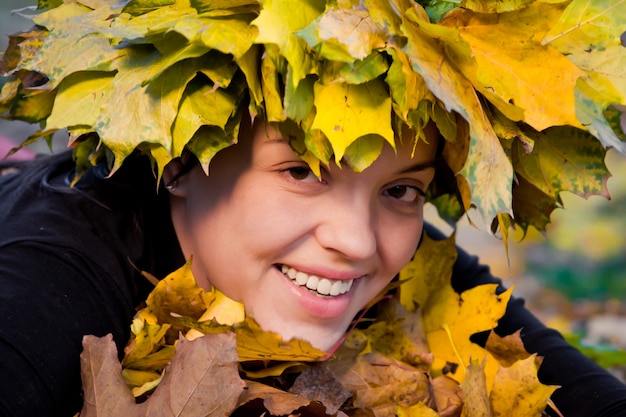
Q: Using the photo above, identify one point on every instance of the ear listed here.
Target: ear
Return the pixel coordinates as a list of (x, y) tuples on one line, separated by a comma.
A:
[(175, 179)]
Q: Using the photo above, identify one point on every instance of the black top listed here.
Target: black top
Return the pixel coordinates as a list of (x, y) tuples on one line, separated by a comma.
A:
[(69, 266)]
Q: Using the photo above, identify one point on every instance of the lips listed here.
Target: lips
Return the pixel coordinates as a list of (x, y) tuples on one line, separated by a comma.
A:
[(321, 285)]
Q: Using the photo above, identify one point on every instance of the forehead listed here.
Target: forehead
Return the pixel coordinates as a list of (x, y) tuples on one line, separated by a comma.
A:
[(409, 145)]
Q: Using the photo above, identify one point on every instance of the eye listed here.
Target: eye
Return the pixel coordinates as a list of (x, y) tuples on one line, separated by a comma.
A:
[(301, 173), (405, 193)]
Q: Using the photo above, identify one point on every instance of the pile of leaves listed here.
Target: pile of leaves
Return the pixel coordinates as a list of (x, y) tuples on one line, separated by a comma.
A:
[(526, 93), (194, 353)]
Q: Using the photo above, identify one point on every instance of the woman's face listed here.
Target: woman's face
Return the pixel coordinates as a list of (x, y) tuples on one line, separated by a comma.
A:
[(303, 255)]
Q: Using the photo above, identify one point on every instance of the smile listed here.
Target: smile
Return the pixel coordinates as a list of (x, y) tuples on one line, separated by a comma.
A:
[(321, 285)]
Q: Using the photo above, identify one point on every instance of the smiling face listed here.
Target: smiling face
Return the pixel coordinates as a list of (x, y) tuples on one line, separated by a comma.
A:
[(303, 255)]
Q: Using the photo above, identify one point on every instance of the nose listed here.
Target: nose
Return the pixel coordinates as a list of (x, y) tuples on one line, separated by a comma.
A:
[(349, 228)]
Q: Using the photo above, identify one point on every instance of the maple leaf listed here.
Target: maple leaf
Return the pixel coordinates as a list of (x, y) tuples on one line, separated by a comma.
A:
[(347, 112), (552, 168), (588, 33), (416, 410), (211, 387), (345, 34), (261, 400), (448, 396), (277, 24), (517, 390), (449, 318), (507, 63), (474, 388), (73, 29), (254, 343), (536, 212), (487, 168), (319, 383), (508, 349), (177, 293), (399, 334), (380, 383)]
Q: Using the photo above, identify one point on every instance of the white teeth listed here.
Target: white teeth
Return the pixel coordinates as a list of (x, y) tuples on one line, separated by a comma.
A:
[(336, 288), (302, 278), (323, 286), (312, 282)]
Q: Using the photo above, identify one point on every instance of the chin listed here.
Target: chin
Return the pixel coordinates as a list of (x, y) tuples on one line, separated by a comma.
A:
[(324, 339)]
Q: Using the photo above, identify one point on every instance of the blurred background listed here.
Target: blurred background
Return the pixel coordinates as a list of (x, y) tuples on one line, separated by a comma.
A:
[(573, 277), (11, 21)]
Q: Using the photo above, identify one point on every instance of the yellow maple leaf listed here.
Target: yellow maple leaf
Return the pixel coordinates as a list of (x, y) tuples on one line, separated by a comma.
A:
[(517, 391), (417, 410), (222, 309), (400, 335), (179, 301), (450, 318), (506, 52), (347, 112), (487, 168), (254, 343)]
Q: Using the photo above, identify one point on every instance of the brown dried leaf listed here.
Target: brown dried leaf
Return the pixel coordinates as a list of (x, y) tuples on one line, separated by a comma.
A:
[(448, 396), (318, 383), (262, 400), (201, 381), (508, 349), (475, 390), (381, 383), (105, 392)]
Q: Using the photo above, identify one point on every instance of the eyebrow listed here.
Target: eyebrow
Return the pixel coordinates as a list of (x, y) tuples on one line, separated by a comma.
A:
[(421, 166)]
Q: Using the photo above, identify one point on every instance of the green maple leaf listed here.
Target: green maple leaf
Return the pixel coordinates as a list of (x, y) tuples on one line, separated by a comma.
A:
[(537, 207), (79, 99), (563, 159), (354, 72), (202, 122), (146, 110), (74, 43), (407, 88), (277, 24)]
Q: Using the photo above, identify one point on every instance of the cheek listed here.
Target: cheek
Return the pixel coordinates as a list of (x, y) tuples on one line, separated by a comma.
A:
[(402, 240)]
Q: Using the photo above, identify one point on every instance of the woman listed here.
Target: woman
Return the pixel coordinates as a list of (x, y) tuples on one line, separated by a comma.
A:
[(259, 228), (304, 235), (263, 216)]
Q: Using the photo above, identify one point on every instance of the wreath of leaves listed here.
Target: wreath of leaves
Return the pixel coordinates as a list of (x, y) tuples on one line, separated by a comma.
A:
[(527, 94)]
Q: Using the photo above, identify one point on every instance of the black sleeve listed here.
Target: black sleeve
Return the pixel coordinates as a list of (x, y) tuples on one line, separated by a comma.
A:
[(50, 298), (587, 390), (63, 274)]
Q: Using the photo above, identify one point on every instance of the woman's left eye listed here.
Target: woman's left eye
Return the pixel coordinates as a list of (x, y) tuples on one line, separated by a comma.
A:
[(301, 173), (405, 193)]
